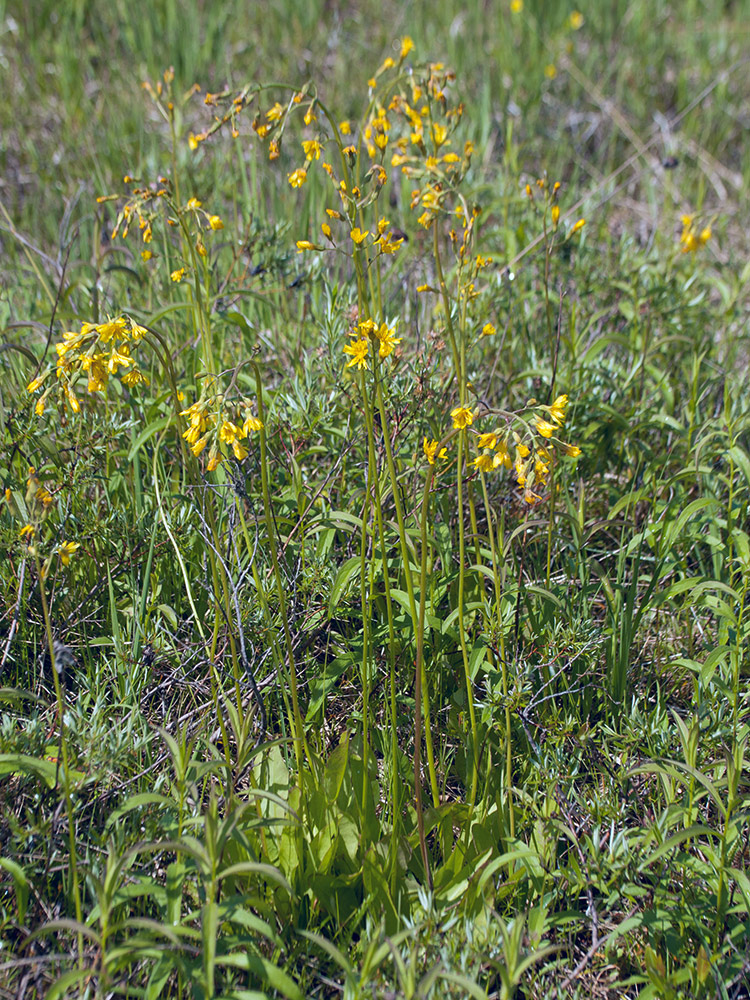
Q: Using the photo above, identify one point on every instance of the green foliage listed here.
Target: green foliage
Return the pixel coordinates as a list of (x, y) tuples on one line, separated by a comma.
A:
[(294, 702)]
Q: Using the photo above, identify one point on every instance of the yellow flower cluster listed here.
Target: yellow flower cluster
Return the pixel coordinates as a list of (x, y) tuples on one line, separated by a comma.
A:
[(505, 448), (382, 336), (32, 512), (143, 205), (412, 127), (215, 424), (691, 239), (97, 350)]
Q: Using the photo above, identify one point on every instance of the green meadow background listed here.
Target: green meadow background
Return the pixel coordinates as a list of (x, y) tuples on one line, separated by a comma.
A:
[(577, 822)]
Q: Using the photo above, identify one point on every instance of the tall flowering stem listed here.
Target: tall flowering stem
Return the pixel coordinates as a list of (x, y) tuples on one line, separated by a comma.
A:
[(300, 741)]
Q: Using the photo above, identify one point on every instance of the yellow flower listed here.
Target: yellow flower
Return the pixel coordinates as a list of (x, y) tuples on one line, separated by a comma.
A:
[(273, 114), (557, 410), (193, 204), (35, 383), (192, 434), (488, 330), (579, 225), (358, 236), (555, 215), (228, 432), (298, 177), (388, 341), (502, 456), (516, 6), (68, 549), (406, 46), (251, 424), (118, 359), (345, 128), (484, 462), (72, 400), (571, 449), (112, 328), (545, 428), (487, 440), (439, 134), (134, 377), (575, 20), (305, 245), (27, 531), (240, 451), (430, 449), (358, 350), (178, 275), (550, 71), (198, 445), (312, 149), (214, 458), (462, 417), (146, 254), (215, 222), (98, 373), (529, 496)]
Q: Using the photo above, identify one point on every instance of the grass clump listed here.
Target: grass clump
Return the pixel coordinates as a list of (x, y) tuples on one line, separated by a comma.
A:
[(375, 508)]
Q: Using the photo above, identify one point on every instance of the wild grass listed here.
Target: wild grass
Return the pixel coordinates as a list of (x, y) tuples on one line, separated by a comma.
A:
[(374, 601)]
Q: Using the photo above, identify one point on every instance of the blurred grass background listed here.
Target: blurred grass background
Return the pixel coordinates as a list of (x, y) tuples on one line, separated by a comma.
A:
[(75, 117)]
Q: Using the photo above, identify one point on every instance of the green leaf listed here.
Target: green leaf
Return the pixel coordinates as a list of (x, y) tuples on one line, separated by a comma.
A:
[(346, 571), (336, 768), (45, 770), (20, 884)]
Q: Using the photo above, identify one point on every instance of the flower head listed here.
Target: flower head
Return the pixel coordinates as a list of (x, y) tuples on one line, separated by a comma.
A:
[(484, 462), (67, 550), (462, 417), (430, 449), (251, 423), (406, 46), (557, 410), (297, 177), (387, 339), (312, 149), (358, 350), (544, 427)]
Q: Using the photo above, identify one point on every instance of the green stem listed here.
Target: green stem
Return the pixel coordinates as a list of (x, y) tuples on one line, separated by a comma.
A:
[(300, 742), (64, 754), (461, 624), (496, 574)]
